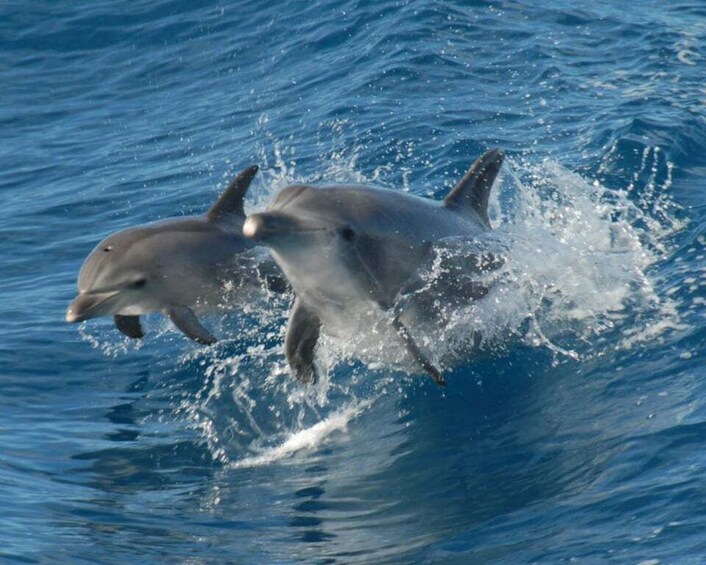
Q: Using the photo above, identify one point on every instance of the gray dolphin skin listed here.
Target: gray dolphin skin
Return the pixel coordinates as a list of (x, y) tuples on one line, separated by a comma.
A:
[(345, 249), (177, 266)]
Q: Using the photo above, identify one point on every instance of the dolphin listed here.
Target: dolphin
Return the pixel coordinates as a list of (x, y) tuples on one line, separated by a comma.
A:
[(175, 266), (348, 251)]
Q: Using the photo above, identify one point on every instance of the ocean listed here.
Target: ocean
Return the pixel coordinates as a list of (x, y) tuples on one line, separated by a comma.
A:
[(580, 437)]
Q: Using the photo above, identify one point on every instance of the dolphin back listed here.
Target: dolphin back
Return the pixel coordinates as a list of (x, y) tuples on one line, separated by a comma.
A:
[(473, 190)]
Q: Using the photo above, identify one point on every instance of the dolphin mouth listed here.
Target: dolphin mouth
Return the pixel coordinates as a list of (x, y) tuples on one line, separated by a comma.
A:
[(265, 226), (87, 305)]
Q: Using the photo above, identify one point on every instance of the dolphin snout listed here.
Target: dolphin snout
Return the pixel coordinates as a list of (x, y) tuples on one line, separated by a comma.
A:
[(86, 306), (254, 226), (267, 225), (71, 316)]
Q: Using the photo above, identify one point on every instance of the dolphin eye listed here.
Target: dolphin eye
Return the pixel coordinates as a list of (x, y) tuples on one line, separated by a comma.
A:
[(139, 283), (108, 248), (347, 233)]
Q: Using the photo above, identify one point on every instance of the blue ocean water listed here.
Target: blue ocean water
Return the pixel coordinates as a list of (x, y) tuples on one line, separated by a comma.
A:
[(581, 439)]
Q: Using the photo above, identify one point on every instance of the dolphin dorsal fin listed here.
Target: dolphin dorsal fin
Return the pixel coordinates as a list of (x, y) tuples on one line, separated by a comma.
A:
[(231, 201), (473, 190)]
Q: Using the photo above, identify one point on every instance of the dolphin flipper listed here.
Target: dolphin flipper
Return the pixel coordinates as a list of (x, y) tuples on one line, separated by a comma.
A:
[(300, 342), (184, 319), (129, 326), (416, 352)]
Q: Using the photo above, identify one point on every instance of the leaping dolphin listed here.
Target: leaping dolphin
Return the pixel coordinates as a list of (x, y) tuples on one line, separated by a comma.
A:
[(345, 249), (174, 266)]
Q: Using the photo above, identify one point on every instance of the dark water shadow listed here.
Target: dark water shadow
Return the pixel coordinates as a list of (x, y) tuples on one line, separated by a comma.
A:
[(500, 439)]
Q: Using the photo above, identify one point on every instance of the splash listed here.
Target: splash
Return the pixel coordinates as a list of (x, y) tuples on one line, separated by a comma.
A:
[(580, 259), (576, 278)]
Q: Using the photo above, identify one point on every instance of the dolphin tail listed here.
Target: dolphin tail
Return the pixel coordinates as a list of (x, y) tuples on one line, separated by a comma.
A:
[(473, 190), (129, 326), (184, 319)]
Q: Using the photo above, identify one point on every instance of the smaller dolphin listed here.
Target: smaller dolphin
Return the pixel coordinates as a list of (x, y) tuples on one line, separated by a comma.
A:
[(174, 266), (351, 253)]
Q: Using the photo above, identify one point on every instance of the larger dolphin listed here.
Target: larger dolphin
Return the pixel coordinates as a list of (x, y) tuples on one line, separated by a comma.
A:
[(179, 266), (347, 249)]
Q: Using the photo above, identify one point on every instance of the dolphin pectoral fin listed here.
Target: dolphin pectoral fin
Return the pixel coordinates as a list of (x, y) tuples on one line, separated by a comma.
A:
[(299, 345), (129, 326), (417, 353), (184, 319)]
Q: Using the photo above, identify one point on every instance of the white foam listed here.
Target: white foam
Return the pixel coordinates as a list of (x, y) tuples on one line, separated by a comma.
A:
[(305, 440)]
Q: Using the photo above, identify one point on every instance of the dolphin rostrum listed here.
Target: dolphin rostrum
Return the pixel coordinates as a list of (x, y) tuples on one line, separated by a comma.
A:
[(174, 266), (347, 249)]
